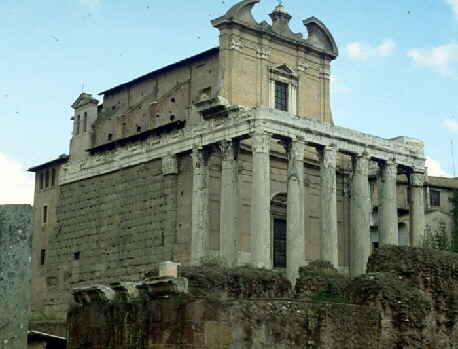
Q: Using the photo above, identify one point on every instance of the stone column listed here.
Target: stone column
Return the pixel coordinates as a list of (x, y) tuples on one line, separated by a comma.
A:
[(200, 221), (260, 202), (417, 209), (329, 250), (230, 204), (388, 204), (360, 216), (295, 238)]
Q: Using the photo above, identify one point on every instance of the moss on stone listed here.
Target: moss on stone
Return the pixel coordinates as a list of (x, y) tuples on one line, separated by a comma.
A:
[(320, 282)]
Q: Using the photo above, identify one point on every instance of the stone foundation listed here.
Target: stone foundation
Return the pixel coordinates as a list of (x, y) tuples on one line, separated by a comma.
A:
[(407, 300)]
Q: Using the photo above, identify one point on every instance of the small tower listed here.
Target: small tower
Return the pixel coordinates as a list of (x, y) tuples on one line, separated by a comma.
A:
[(83, 120)]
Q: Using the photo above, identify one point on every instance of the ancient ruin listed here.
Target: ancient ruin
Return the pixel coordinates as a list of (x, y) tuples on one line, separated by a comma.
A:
[(407, 300), (231, 154)]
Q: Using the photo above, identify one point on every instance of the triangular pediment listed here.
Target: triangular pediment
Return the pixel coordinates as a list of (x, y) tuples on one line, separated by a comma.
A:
[(284, 69)]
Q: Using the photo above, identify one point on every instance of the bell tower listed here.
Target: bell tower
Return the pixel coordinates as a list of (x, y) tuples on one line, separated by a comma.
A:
[(85, 115)]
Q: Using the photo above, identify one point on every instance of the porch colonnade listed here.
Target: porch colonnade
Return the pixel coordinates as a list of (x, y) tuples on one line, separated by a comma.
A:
[(261, 240)]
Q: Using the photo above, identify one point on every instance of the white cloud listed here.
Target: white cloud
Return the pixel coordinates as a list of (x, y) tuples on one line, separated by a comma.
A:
[(16, 184), (358, 50), (92, 4), (440, 58), (434, 168), (454, 6), (452, 125)]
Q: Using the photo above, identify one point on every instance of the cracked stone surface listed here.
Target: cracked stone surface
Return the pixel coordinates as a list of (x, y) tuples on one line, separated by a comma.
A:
[(15, 274)]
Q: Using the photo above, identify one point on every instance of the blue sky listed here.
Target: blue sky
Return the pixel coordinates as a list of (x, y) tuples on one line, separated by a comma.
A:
[(396, 73)]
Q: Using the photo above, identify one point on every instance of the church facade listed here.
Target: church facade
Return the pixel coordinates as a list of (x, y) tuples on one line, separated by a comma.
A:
[(230, 154)]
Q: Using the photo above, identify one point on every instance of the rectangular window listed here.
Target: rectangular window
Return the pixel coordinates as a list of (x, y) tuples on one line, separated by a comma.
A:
[(53, 177), (42, 180), (47, 179), (85, 122), (281, 96), (78, 125), (45, 214), (77, 256), (435, 198), (43, 257)]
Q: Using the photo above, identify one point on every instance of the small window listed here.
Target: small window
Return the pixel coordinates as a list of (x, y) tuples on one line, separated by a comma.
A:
[(45, 214), (435, 198), (47, 179), (77, 256), (85, 122), (53, 177), (139, 129), (375, 245), (43, 257), (110, 136), (42, 180), (172, 117), (281, 96), (78, 121)]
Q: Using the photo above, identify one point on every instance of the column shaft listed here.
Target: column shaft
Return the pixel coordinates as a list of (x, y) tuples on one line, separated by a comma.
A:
[(260, 202), (295, 238), (360, 217), (388, 205), (329, 238), (230, 204), (200, 227), (417, 209)]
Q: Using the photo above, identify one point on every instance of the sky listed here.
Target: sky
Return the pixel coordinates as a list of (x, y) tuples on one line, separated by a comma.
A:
[(396, 74)]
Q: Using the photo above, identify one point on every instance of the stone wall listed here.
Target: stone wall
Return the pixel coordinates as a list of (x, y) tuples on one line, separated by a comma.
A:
[(15, 274), (407, 300), (416, 292), (111, 228), (225, 308)]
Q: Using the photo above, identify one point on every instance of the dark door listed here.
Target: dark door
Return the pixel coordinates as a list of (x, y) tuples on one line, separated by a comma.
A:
[(279, 243)]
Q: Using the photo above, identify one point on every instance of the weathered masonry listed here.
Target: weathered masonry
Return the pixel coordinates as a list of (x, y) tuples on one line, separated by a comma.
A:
[(15, 274), (262, 126), (229, 154)]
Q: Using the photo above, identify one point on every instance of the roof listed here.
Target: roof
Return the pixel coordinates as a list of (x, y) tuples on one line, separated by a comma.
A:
[(443, 182), (167, 68), (60, 160)]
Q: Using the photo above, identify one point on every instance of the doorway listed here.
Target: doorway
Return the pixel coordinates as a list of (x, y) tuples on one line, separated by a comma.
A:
[(279, 243)]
